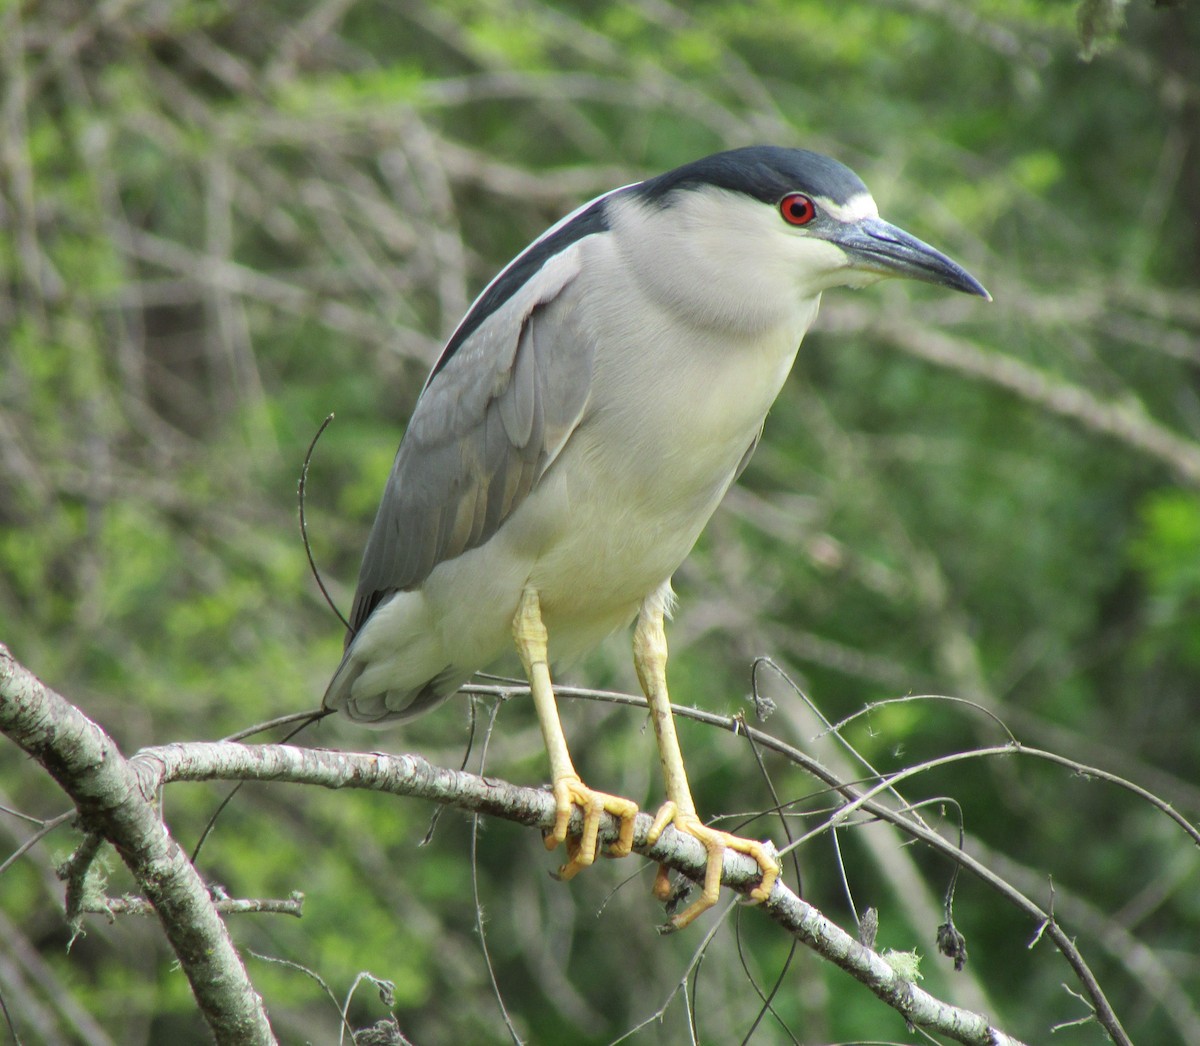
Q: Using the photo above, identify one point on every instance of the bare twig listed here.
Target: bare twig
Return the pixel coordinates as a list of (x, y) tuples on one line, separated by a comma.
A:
[(129, 905), (34, 839)]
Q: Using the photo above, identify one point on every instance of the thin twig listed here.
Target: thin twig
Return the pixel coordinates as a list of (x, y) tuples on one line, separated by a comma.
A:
[(301, 488), (129, 905)]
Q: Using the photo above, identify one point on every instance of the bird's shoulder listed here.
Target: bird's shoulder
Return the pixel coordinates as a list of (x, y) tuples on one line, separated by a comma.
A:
[(529, 273), (492, 417)]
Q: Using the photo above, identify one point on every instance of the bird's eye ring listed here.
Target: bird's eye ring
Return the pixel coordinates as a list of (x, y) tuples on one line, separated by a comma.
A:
[(797, 209)]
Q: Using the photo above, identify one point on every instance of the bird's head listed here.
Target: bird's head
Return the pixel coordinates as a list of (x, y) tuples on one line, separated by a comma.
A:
[(739, 231)]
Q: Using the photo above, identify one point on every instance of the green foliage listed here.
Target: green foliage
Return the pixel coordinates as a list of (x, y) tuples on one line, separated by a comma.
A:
[(1099, 23), (224, 221), (1165, 552)]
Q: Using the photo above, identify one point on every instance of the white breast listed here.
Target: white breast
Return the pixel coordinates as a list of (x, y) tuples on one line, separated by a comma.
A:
[(675, 406)]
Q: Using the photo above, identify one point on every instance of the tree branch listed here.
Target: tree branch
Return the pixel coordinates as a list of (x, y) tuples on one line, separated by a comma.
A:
[(128, 905), (909, 822), (411, 775), (1126, 420), (91, 770)]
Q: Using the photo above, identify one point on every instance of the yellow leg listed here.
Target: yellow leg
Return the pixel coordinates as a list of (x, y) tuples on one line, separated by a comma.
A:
[(650, 657), (569, 791)]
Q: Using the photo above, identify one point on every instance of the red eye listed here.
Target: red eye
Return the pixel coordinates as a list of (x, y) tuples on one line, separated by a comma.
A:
[(797, 209)]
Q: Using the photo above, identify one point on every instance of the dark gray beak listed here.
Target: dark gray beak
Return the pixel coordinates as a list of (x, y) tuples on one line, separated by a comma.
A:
[(878, 246)]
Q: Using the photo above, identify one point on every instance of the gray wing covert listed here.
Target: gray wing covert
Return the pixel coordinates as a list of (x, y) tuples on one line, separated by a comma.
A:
[(487, 426)]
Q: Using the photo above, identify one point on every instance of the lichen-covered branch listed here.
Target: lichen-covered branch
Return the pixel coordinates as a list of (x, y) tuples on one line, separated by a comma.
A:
[(111, 802), (127, 905), (411, 775)]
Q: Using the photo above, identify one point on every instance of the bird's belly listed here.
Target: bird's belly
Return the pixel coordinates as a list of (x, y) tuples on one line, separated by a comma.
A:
[(609, 523), (592, 552), (615, 548), (623, 504)]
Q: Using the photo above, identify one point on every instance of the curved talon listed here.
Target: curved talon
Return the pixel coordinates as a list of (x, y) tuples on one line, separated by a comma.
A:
[(570, 791), (662, 884), (715, 843)]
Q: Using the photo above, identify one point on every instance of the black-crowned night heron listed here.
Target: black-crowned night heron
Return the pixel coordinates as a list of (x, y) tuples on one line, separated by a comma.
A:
[(579, 429)]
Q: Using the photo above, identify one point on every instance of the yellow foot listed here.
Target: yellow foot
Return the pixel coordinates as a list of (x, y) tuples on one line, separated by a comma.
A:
[(716, 843), (569, 792)]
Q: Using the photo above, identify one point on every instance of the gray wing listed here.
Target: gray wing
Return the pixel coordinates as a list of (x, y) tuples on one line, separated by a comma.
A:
[(487, 426)]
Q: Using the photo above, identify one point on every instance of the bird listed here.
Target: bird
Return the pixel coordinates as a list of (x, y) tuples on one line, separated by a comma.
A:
[(577, 431)]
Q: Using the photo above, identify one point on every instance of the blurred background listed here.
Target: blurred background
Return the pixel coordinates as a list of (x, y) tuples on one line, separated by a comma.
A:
[(222, 220)]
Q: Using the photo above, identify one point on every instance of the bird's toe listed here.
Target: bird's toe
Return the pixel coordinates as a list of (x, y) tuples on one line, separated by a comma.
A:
[(571, 792), (715, 843)]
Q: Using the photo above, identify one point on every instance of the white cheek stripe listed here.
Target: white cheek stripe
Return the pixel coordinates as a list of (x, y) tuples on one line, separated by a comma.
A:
[(854, 209)]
